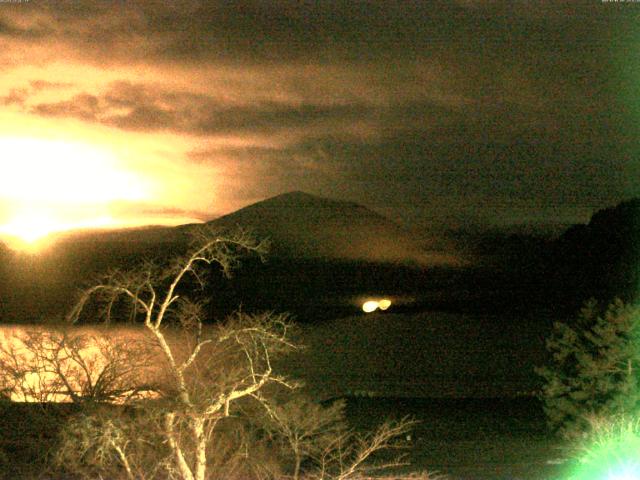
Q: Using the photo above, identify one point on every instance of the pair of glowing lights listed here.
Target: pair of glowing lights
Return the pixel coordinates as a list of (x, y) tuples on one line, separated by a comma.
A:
[(373, 305)]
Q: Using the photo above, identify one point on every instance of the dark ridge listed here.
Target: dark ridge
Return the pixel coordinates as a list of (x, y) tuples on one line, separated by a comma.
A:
[(601, 259)]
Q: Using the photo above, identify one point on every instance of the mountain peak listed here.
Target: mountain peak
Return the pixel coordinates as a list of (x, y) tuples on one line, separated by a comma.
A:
[(301, 208), (295, 194), (306, 225), (300, 198)]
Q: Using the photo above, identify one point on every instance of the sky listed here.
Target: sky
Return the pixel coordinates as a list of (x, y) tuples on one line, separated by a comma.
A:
[(434, 113)]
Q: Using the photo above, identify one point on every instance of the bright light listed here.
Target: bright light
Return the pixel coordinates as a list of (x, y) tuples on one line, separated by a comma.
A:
[(29, 227), (44, 170), (370, 306), (48, 186), (384, 304), (29, 231), (627, 471), (373, 305), (613, 454)]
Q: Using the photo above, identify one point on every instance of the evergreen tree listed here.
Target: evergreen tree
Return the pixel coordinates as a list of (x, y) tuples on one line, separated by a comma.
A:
[(594, 368)]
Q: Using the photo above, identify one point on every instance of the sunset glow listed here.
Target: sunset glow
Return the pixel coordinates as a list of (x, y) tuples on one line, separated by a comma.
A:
[(50, 185)]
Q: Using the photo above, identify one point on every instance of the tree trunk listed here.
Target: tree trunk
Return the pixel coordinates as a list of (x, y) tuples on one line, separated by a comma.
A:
[(124, 460), (296, 471), (183, 466), (201, 448)]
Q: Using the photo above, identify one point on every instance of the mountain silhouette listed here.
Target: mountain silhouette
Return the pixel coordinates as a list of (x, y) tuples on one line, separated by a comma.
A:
[(600, 259), (320, 249), (299, 224)]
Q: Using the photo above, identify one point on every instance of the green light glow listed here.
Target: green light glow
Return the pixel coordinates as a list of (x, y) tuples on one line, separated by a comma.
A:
[(626, 472), (614, 455)]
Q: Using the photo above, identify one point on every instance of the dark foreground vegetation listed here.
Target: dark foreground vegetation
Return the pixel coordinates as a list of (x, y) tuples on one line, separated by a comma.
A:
[(472, 438), (178, 400), (29, 434), (464, 438), (234, 416)]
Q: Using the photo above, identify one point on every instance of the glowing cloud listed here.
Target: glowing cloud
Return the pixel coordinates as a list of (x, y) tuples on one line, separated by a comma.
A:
[(46, 170)]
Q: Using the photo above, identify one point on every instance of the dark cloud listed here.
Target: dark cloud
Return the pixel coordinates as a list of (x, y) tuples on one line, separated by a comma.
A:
[(38, 85), (18, 30), (463, 109), (123, 208), (228, 31), (20, 96), (137, 107), (248, 174), (455, 173), (84, 107), (318, 32), (15, 96)]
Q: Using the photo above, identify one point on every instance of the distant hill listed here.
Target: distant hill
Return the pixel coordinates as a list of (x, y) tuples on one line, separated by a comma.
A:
[(326, 254), (602, 258), (322, 250), (298, 225), (307, 226)]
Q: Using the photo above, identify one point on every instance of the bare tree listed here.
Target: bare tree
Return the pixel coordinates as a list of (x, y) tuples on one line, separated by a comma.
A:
[(319, 437), (38, 365), (198, 394), (304, 427), (346, 456), (201, 378)]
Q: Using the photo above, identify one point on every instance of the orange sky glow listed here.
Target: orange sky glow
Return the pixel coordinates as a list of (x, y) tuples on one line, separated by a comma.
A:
[(77, 171), (133, 113), (59, 176)]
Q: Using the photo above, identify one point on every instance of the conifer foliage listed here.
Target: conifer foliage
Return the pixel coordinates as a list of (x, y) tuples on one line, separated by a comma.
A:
[(594, 367)]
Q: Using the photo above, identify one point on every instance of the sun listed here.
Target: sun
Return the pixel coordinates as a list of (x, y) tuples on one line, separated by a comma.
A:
[(49, 186)]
